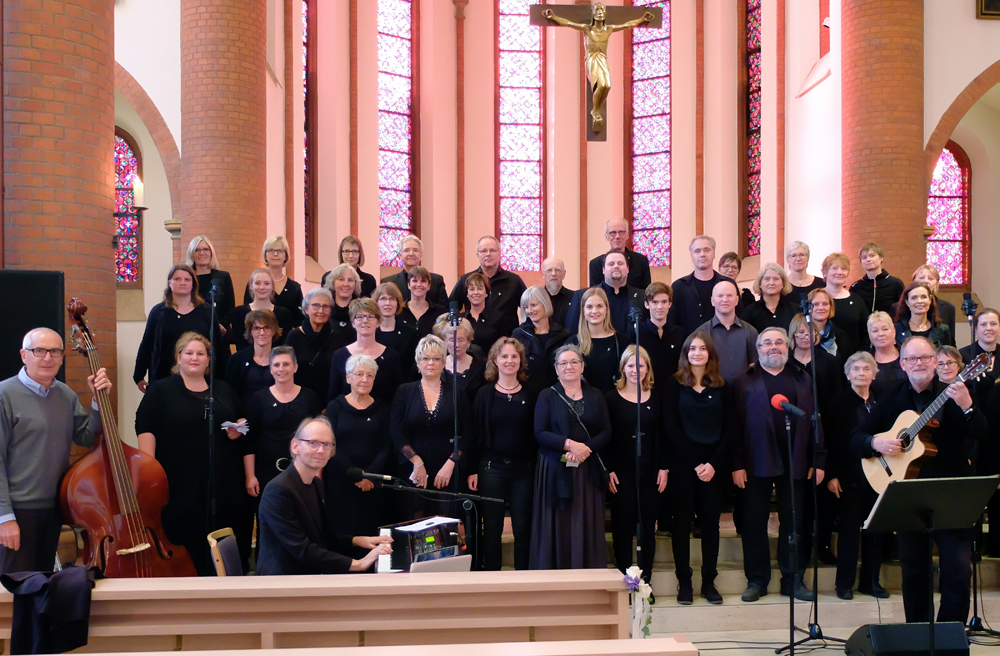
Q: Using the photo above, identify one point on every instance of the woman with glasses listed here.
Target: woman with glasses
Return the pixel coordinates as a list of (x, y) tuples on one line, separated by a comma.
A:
[(797, 258), (202, 258), (361, 423), (352, 252), (423, 426), (776, 307), (419, 311), (540, 336), (917, 314), (572, 426), (365, 317), (882, 334), (262, 285), (398, 335), (287, 292), (249, 370), (315, 342), (471, 368), (345, 286), (850, 312), (829, 336)]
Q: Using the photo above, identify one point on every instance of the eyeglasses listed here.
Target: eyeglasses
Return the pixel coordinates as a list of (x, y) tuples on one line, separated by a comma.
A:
[(365, 317), (488, 251), (768, 343), (319, 307), (202, 250), (617, 233), (922, 359), (569, 363), (317, 445), (256, 330), (275, 251), (40, 352), (351, 251), (424, 358), (947, 363)]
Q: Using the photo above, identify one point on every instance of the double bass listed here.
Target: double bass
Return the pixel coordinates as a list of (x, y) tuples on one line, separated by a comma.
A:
[(116, 492)]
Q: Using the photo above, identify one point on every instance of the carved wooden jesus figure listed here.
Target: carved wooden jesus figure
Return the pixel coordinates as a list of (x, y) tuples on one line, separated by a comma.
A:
[(595, 40)]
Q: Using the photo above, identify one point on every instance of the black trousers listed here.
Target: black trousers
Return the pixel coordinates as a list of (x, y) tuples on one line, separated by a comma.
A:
[(955, 558), (689, 495), (624, 518), (39, 541), (514, 483), (856, 501), (756, 509)]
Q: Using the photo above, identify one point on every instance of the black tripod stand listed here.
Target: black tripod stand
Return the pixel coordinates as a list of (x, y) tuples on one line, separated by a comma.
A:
[(636, 316)]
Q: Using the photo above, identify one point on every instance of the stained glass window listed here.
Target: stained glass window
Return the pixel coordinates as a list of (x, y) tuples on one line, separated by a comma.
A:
[(520, 118), (395, 119), (651, 140), (128, 232), (308, 77), (753, 114), (948, 214)]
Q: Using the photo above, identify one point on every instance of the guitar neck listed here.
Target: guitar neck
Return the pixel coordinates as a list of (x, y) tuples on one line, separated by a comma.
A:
[(933, 408)]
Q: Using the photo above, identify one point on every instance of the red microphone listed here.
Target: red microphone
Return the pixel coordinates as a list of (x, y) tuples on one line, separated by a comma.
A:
[(780, 402)]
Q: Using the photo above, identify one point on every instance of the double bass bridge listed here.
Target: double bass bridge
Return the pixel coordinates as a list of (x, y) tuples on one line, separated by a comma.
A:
[(131, 550)]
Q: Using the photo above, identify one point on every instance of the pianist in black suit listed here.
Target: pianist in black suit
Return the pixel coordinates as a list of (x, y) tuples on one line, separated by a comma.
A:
[(295, 534)]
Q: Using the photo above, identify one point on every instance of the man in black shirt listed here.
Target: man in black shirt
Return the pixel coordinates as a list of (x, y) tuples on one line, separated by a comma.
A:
[(879, 289), (411, 254), (692, 304), (959, 420), (616, 232), (505, 287), (554, 272), (621, 296)]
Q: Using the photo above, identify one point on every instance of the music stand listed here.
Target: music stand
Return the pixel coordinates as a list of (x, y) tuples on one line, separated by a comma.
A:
[(928, 505)]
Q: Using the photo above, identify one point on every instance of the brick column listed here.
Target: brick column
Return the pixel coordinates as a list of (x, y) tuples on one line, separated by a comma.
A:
[(884, 192), (223, 140), (58, 116)]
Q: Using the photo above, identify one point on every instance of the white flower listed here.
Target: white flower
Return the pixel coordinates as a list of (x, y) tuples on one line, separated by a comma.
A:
[(633, 572)]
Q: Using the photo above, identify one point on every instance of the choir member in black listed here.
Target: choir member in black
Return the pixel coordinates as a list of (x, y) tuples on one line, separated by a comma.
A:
[(249, 370), (182, 310), (730, 265), (287, 292), (295, 534), (506, 287), (554, 273), (471, 366), (987, 323), (202, 258), (797, 258), (411, 254), (616, 234), (345, 286), (879, 290), (365, 316), (699, 423), (959, 426), (829, 336), (539, 335), (172, 426), (262, 285), (315, 342), (930, 276), (775, 307), (661, 340), (692, 301), (882, 334), (398, 335), (352, 252), (601, 346), (851, 313), (361, 423), (847, 482), (423, 425), (917, 315), (636, 484), (761, 463), (622, 298), (572, 427), (419, 311), (504, 451), (487, 324)]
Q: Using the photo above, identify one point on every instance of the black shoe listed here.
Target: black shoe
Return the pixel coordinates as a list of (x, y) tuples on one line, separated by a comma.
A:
[(685, 593), (802, 593), (876, 591), (845, 594), (753, 592), (826, 556), (710, 593)]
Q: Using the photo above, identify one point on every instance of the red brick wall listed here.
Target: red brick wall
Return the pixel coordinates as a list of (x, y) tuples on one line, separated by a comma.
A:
[(58, 154), (884, 189), (223, 132)]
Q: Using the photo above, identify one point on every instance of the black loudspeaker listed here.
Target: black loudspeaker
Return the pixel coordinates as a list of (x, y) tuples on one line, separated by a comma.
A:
[(35, 299), (908, 640)]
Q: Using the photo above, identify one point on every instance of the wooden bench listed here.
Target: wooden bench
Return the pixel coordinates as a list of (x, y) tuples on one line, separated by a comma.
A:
[(352, 610)]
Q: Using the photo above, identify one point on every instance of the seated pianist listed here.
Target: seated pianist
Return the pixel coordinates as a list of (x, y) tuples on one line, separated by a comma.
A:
[(295, 534)]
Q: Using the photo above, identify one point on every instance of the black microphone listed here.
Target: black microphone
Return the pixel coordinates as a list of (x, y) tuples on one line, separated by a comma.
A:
[(356, 475), (805, 304), (969, 306), (780, 402), (454, 313), (635, 314)]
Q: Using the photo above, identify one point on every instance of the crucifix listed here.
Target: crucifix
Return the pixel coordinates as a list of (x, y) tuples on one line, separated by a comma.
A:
[(597, 24)]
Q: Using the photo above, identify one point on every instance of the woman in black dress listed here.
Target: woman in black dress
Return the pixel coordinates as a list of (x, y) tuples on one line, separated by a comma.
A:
[(315, 342), (917, 315), (571, 427), (419, 312), (361, 427), (540, 335), (636, 484), (882, 334), (504, 451), (775, 308), (698, 420), (352, 252), (471, 368), (249, 370), (601, 346), (262, 286), (182, 310), (202, 258), (287, 292), (345, 286), (172, 426), (398, 335), (422, 428), (850, 312), (365, 315)]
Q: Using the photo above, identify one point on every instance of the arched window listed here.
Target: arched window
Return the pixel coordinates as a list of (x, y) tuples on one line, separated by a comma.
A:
[(128, 226), (752, 118), (948, 213), (520, 120), (397, 48), (649, 124)]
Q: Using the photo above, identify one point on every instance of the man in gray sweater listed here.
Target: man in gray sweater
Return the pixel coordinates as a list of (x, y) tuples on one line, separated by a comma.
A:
[(39, 418)]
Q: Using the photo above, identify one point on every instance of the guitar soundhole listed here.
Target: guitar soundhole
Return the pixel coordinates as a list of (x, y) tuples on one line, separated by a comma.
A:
[(906, 440)]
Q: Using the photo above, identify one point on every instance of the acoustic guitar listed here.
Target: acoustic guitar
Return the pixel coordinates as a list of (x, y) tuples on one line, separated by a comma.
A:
[(912, 431)]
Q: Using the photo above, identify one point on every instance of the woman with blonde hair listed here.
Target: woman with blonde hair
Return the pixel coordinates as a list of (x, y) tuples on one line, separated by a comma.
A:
[(471, 367), (851, 311), (262, 286), (352, 252), (775, 307), (201, 257), (601, 346), (287, 293), (345, 286)]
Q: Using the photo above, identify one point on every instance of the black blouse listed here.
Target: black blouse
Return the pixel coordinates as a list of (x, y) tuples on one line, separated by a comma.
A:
[(225, 298), (386, 380), (601, 364), (758, 315), (851, 316), (362, 439), (236, 326), (164, 326), (402, 340), (470, 380), (427, 432), (425, 324), (700, 426), (272, 424), (290, 298), (619, 454), (314, 353), (245, 376), (504, 425)]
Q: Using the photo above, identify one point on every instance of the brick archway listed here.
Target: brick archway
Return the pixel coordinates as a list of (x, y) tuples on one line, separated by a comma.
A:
[(951, 118), (162, 138)]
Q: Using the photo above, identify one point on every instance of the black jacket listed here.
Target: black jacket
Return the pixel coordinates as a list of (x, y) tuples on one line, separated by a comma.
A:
[(293, 540), (51, 609), (506, 288), (687, 311), (879, 294), (842, 461), (638, 270), (541, 366), (436, 295), (226, 297)]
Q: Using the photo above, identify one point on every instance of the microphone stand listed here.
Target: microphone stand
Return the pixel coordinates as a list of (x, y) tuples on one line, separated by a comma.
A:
[(636, 317), (454, 319), (212, 505)]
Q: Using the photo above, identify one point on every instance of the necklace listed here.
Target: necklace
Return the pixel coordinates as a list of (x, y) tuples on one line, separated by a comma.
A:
[(509, 392)]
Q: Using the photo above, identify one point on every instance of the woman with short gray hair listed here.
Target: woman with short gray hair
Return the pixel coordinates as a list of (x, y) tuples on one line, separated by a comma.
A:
[(797, 261), (539, 335), (315, 342)]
